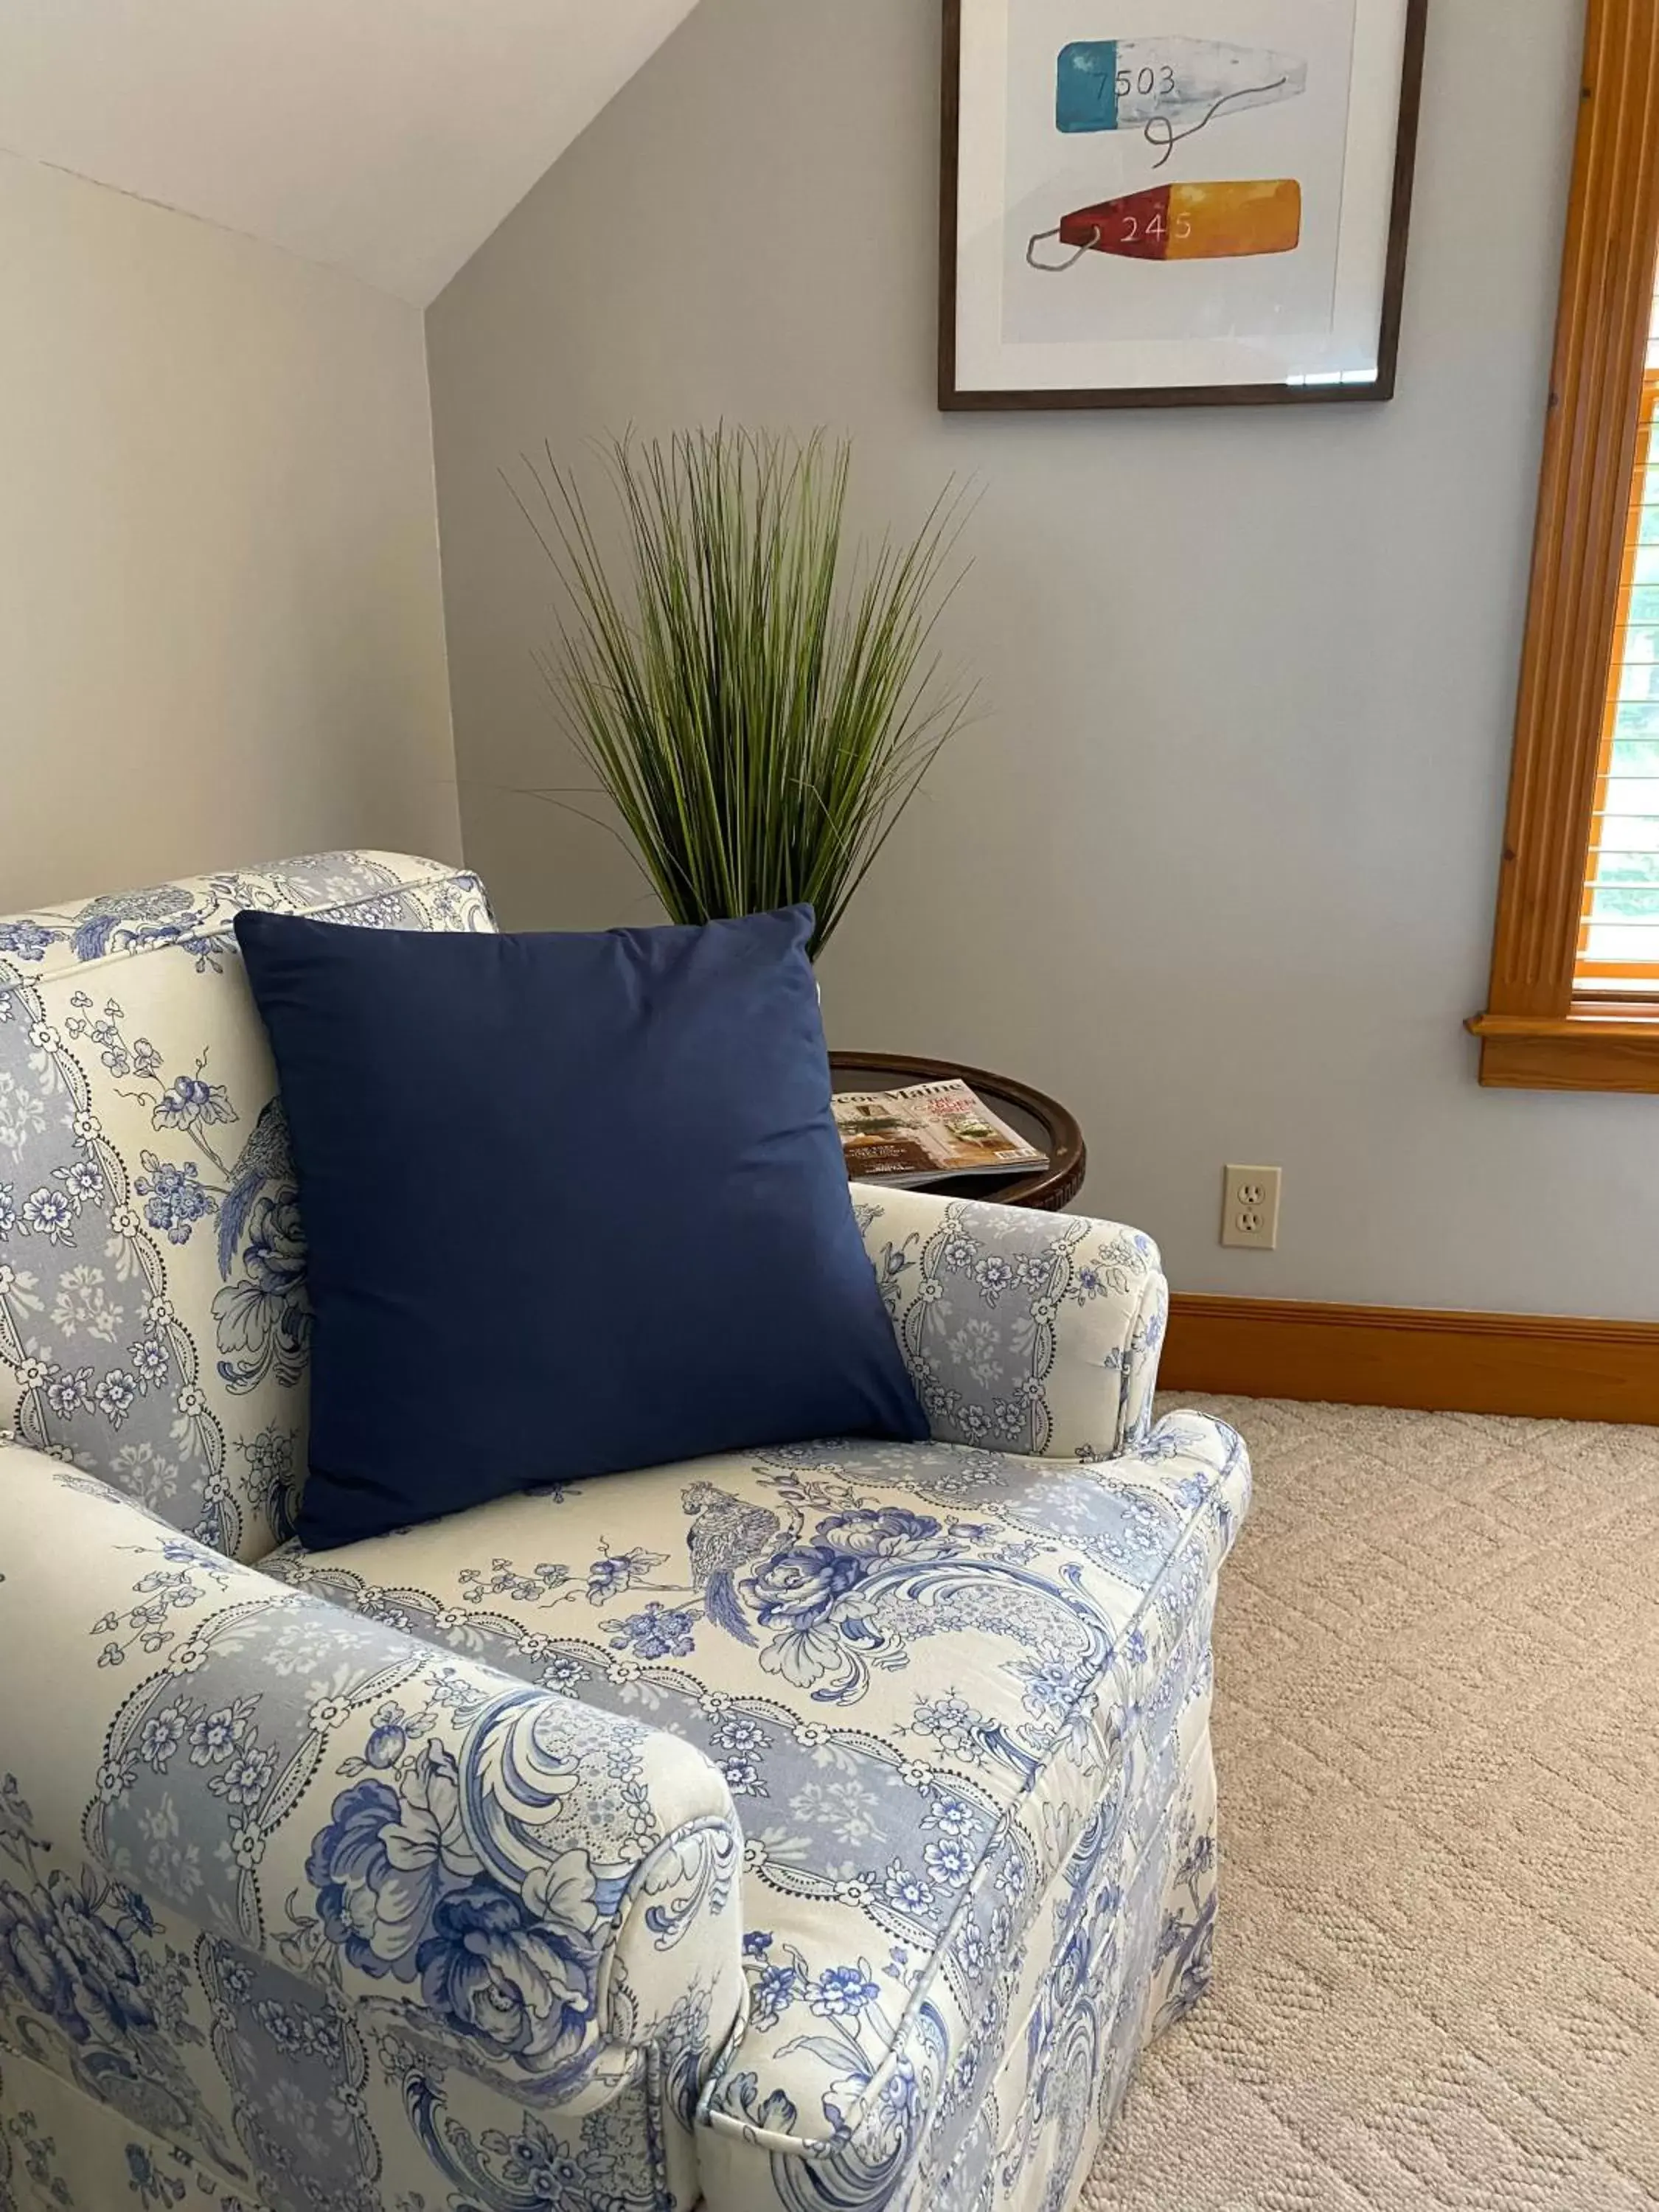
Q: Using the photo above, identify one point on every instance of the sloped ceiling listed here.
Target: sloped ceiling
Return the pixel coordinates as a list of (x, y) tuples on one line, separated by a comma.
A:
[(384, 137)]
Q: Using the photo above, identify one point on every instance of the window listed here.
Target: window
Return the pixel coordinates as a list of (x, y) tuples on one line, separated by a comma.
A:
[(1619, 940), (1574, 1002)]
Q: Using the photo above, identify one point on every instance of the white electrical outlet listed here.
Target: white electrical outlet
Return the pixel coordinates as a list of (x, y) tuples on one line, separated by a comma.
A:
[(1250, 1209)]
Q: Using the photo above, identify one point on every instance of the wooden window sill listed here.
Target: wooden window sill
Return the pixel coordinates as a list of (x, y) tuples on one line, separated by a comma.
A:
[(1590, 1048)]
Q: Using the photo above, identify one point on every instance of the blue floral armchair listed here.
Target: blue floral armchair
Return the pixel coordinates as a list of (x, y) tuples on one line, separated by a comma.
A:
[(822, 1829)]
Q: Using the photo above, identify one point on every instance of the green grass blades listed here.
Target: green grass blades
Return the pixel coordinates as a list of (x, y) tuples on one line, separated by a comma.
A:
[(759, 700)]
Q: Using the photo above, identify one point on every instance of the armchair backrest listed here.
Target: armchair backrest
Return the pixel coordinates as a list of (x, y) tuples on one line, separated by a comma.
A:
[(153, 1325)]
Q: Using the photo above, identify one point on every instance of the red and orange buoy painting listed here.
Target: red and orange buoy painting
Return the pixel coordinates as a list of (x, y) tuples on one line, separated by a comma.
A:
[(1183, 222)]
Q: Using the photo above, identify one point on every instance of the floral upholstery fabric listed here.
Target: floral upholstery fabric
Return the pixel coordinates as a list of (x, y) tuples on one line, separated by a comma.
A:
[(154, 1327), (1023, 1332), (331, 1911), (823, 1829), (927, 1673)]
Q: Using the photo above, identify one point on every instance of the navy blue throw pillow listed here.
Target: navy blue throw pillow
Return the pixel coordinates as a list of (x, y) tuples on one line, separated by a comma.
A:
[(574, 1203)]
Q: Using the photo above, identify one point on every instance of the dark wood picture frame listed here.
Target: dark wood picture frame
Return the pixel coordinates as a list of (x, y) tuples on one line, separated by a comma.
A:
[(952, 399)]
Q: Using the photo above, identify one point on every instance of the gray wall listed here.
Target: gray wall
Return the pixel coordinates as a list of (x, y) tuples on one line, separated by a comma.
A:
[(1217, 865), (220, 624)]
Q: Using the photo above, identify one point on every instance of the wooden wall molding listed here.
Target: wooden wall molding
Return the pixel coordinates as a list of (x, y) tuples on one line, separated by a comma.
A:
[(1466, 1362)]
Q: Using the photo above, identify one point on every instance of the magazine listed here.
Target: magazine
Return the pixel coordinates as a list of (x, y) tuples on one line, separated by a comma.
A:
[(927, 1134)]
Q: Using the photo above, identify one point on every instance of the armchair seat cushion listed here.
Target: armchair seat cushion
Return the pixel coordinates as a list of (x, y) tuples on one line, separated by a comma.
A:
[(928, 1672)]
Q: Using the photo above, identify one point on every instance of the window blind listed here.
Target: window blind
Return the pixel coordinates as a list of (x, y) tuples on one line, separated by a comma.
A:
[(1618, 934)]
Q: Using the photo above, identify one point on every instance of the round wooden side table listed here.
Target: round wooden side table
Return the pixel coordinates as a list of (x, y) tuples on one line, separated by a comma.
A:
[(1041, 1121)]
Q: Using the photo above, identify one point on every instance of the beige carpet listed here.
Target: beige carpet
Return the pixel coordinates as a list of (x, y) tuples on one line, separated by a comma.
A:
[(1438, 1731)]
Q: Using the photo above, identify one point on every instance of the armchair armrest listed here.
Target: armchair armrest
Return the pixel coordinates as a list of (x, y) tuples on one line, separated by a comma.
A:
[(1023, 1332), (538, 1890)]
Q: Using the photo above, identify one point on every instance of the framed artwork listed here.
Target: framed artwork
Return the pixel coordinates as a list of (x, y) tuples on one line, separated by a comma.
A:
[(1174, 203)]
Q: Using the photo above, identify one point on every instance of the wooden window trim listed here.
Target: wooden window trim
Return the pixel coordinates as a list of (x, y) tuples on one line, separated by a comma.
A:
[(1535, 1034)]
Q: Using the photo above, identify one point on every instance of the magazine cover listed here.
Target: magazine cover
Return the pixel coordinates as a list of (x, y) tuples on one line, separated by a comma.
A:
[(927, 1133)]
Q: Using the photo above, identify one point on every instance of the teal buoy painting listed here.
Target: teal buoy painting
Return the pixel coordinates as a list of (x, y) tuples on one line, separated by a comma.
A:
[(1139, 84)]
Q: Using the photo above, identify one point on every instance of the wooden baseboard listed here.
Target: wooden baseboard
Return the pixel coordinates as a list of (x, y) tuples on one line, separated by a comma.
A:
[(1465, 1363)]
